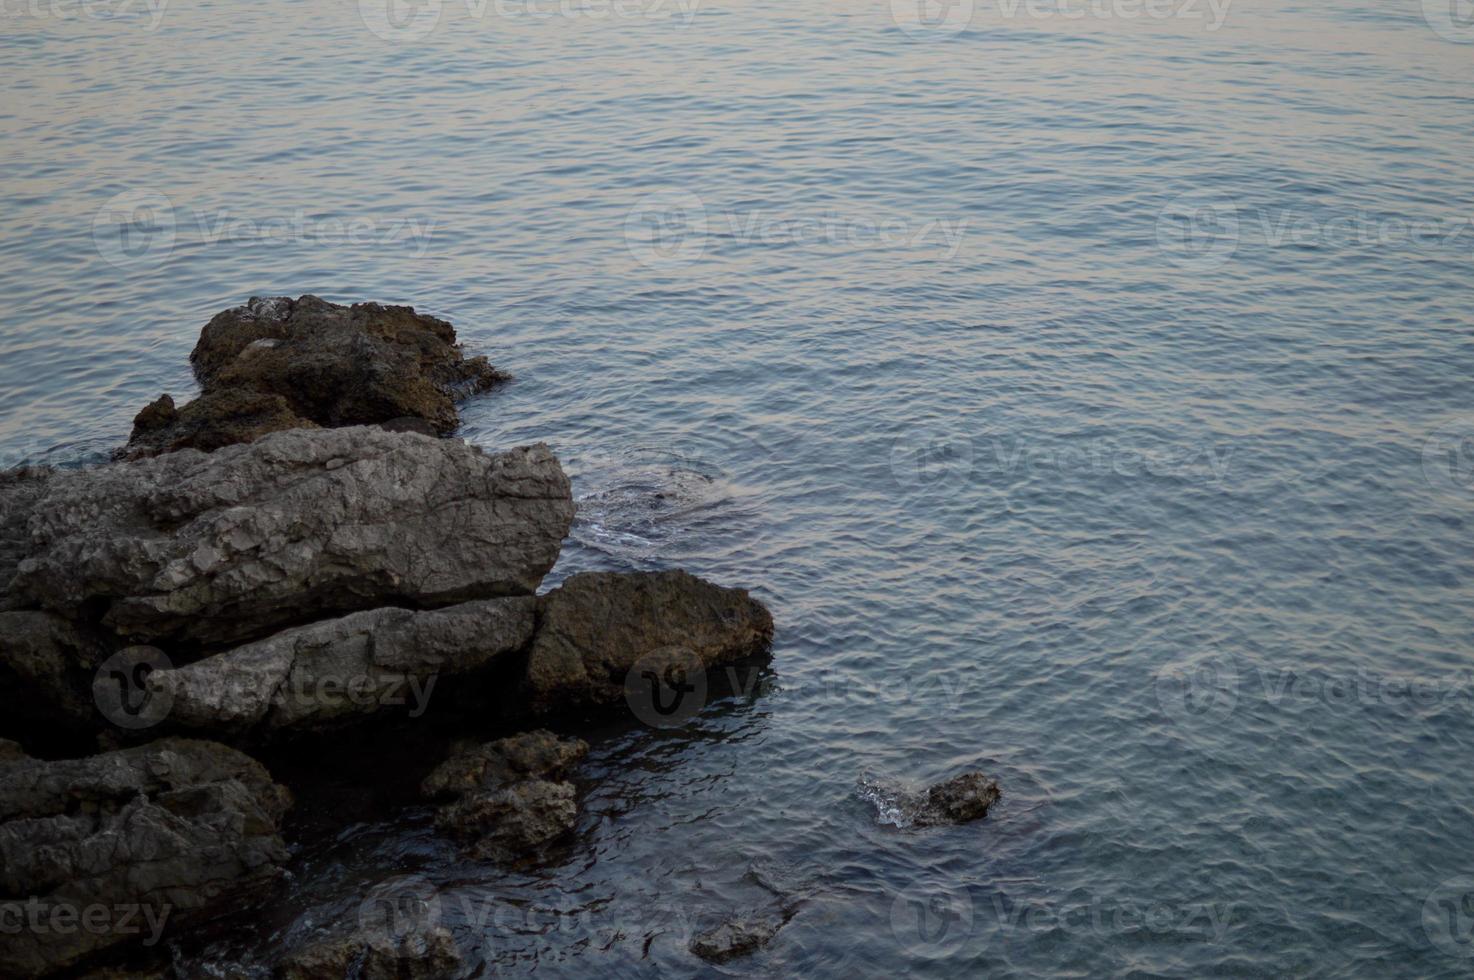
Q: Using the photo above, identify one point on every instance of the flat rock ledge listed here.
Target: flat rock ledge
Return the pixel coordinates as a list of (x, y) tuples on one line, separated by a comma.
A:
[(218, 548), (113, 849), (279, 363)]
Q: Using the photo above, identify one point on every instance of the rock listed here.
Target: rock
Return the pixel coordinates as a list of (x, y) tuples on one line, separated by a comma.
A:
[(282, 363), (112, 849), (597, 625), (507, 797), (19, 490), (335, 671), (962, 799), (232, 546), (425, 954), (739, 936), (958, 800), (47, 667), (213, 420), (11, 751)]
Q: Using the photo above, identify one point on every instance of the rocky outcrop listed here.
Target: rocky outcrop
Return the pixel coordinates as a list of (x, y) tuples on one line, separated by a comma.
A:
[(230, 546), (19, 490), (279, 363), (506, 798), (113, 849), (343, 669), (597, 626), (425, 954)]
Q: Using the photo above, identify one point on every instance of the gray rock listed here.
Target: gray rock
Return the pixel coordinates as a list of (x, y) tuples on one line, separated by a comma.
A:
[(19, 490), (598, 625), (280, 363), (343, 669), (961, 799), (507, 797), (115, 848), (740, 936), (423, 954), (231, 546)]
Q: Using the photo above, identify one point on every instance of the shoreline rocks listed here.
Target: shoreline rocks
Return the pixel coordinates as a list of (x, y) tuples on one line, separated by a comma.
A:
[(279, 363), (185, 829), (227, 547)]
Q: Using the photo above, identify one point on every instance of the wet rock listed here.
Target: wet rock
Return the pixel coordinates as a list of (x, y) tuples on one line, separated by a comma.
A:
[(598, 625), (231, 546), (740, 936), (130, 843), (429, 954), (282, 363), (506, 797), (11, 751), (963, 798), (344, 669), (960, 799)]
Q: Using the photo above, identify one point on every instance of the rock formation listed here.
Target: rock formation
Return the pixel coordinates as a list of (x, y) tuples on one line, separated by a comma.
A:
[(279, 363), (112, 849)]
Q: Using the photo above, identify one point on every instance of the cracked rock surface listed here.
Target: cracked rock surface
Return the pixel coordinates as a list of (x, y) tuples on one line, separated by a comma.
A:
[(221, 548), (342, 669), (176, 830)]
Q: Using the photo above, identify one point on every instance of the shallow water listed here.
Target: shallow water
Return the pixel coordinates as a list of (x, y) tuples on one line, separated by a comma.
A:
[(1088, 397)]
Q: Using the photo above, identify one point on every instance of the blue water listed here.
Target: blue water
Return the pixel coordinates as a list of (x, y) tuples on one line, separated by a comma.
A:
[(1088, 396)]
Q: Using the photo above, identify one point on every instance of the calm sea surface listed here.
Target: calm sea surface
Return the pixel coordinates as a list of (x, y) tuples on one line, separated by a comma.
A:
[(1088, 394)]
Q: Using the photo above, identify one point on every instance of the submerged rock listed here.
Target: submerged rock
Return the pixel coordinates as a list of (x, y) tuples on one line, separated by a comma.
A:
[(960, 799), (506, 797), (342, 669), (220, 548), (738, 937), (598, 625), (430, 954), (124, 844), (279, 363)]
